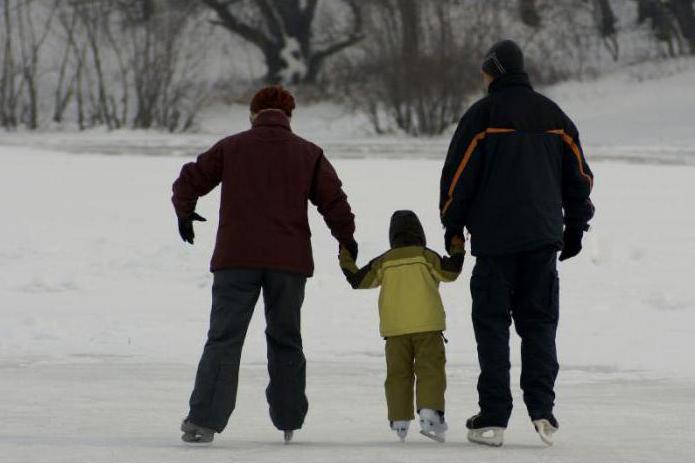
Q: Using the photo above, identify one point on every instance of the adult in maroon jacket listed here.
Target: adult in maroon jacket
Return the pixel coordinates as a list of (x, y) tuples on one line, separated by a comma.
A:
[(268, 176)]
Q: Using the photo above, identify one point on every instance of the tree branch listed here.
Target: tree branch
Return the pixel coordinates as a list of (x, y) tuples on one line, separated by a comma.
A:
[(233, 24), (356, 36)]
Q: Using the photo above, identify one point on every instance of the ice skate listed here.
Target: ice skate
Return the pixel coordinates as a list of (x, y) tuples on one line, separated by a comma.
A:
[(194, 434), (432, 425), (288, 435), (484, 431), (546, 427), (401, 428)]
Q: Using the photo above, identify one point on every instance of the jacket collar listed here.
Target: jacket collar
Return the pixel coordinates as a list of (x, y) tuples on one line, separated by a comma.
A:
[(517, 79), (272, 118)]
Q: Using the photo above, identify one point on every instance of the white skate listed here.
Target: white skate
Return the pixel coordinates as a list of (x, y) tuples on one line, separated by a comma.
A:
[(545, 430), (401, 428), (492, 436), (432, 425)]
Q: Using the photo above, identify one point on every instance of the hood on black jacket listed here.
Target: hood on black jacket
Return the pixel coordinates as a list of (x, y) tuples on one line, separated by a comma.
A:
[(406, 230)]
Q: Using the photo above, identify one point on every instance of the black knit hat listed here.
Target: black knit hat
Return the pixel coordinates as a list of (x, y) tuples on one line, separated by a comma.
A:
[(504, 57)]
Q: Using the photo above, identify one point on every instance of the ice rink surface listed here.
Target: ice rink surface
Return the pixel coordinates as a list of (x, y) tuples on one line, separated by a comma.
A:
[(104, 313)]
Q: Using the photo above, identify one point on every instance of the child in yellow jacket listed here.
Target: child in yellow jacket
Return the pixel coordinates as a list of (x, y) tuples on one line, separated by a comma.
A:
[(412, 320)]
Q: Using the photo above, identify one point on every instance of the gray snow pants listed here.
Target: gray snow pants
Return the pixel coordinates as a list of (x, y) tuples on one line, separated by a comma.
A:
[(234, 296)]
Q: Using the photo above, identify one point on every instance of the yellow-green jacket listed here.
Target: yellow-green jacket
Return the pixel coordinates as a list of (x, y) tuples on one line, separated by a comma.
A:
[(409, 277)]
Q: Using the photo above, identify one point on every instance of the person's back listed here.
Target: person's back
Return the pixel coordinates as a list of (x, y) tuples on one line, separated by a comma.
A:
[(526, 145), (268, 176), (516, 178)]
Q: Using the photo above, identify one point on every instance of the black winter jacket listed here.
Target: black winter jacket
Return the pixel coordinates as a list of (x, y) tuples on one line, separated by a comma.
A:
[(514, 165)]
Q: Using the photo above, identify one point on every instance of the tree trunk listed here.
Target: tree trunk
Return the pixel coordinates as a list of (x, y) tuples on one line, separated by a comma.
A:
[(683, 10)]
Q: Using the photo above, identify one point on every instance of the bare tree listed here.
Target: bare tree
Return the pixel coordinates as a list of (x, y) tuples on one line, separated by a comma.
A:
[(606, 21), (163, 63), (683, 11), (663, 24), (418, 77), (9, 89), (283, 31)]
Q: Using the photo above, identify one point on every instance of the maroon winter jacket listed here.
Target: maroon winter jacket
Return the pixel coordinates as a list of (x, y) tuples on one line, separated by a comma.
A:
[(268, 175)]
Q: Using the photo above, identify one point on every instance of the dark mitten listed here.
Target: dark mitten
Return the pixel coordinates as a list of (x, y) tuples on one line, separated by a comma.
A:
[(452, 237), (573, 243), (186, 227)]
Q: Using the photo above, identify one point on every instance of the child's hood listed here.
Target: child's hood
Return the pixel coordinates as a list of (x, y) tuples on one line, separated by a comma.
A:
[(406, 230)]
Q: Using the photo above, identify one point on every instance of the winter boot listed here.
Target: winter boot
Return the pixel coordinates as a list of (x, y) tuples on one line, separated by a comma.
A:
[(546, 427), (485, 431), (194, 434), (401, 428), (433, 425)]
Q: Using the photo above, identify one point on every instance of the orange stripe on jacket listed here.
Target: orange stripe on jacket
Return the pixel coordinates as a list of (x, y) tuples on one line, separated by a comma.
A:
[(577, 153), (467, 157)]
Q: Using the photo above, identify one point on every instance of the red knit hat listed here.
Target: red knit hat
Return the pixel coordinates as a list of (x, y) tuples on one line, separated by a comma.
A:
[(273, 97)]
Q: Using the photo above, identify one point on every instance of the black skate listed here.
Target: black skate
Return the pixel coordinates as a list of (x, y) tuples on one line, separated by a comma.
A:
[(287, 436), (485, 431), (194, 434)]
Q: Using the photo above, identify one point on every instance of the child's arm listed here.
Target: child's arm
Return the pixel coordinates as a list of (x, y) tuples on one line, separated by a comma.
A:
[(447, 269), (360, 278)]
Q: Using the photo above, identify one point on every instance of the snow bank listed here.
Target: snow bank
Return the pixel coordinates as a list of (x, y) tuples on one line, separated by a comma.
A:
[(641, 113)]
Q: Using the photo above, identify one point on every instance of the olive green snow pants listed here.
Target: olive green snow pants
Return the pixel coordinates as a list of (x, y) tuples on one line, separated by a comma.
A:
[(409, 357)]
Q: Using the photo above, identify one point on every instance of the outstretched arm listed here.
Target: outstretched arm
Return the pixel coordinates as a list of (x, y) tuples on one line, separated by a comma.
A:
[(360, 278), (197, 179)]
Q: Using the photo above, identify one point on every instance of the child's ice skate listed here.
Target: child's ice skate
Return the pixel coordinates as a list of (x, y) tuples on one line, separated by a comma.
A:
[(401, 428), (482, 430), (432, 425), (194, 434), (546, 427)]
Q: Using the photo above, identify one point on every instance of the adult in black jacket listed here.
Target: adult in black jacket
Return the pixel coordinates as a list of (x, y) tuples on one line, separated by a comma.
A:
[(517, 179)]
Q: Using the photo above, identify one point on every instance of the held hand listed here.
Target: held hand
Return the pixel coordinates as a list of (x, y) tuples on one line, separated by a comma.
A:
[(458, 246), (351, 247), (347, 263), (186, 227), (573, 243), (454, 241)]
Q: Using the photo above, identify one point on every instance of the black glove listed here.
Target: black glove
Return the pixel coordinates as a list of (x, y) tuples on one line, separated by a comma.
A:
[(573, 243), (352, 248), (186, 227), (449, 237)]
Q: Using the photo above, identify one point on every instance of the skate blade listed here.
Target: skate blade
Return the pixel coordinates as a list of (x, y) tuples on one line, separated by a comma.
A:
[(287, 436), (197, 439), (477, 436), (441, 439), (545, 430)]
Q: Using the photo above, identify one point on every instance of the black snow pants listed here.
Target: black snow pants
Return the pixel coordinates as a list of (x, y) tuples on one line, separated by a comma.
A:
[(234, 296), (522, 287)]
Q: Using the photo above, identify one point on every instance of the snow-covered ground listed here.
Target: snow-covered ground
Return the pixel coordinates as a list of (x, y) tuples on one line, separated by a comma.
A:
[(104, 310), (104, 313)]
